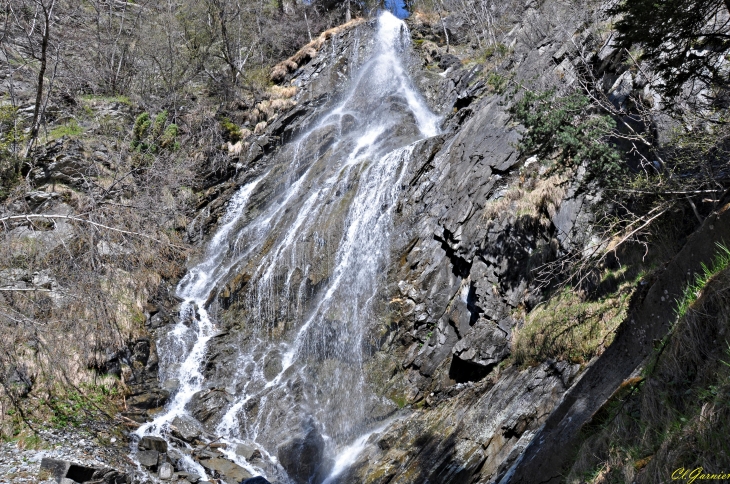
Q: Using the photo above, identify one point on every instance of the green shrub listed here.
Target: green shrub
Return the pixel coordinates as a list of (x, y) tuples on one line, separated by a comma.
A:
[(149, 136), (231, 131), (564, 125)]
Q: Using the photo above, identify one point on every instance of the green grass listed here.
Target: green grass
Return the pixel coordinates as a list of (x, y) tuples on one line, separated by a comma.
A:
[(571, 327), (70, 128), (693, 291)]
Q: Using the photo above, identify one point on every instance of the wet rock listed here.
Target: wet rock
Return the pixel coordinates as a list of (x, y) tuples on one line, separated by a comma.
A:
[(189, 477), (150, 442), (247, 451), (302, 456), (148, 458), (207, 404), (229, 471), (152, 399), (256, 480), (166, 471), (185, 428)]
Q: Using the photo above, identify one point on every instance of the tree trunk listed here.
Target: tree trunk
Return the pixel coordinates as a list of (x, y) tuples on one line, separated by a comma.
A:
[(41, 75), (727, 5), (348, 14)]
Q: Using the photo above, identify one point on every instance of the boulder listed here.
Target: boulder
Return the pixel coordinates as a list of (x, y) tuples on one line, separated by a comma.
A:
[(166, 471), (187, 476), (302, 456), (150, 442), (54, 467), (152, 399), (185, 428), (62, 470), (247, 451), (148, 458), (229, 471), (256, 480)]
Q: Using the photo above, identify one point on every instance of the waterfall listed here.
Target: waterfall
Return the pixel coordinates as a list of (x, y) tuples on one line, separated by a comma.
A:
[(311, 236)]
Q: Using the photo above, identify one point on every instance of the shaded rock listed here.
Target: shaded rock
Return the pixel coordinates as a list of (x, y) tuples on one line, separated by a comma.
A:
[(256, 480), (229, 471), (207, 404), (151, 399), (148, 458), (150, 442), (302, 456)]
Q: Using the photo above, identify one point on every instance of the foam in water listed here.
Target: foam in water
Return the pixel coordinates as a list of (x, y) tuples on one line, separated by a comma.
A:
[(319, 245)]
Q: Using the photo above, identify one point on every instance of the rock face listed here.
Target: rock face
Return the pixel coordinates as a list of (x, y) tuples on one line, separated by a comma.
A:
[(302, 456)]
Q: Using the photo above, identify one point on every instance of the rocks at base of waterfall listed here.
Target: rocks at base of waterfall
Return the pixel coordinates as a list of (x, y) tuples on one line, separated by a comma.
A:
[(302, 456), (63, 471), (150, 442), (166, 471), (247, 451), (207, 404), (256, 480), (187, 476), (147, 400), (224, 469), (185, 428), (148, 458)]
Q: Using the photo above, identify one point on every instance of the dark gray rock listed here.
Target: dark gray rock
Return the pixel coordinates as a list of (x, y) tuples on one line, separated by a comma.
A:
[(55, 467), (302, 456), (229, 471), (256, 480), (148, 458), (185, 428), (151, 442)]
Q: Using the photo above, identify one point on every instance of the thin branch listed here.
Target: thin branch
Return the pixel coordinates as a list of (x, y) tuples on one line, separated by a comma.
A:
[(95, 224)]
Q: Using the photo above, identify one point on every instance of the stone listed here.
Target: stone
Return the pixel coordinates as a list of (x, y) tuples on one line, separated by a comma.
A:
[(147, 400), (192, 478), (150, 442), (148, 458), (166, 471), (256, 480), (185, 428), (229, 471), (302, 455), (247, 451), (66, 480), (57, 468)]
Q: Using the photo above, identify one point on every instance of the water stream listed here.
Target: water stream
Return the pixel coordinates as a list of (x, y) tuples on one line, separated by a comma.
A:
[(311, 237)]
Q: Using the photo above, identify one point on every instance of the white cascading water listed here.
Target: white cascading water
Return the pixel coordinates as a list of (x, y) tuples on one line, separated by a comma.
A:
[(312, 235)]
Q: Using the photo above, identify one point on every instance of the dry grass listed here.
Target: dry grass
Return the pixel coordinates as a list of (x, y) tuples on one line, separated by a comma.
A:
[(570, 327), (309, 51), (536, 201), (680, 415)]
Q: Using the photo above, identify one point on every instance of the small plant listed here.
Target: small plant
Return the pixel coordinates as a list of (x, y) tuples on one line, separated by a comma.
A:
[(149, 136), (70, 128), (231, 132), (693, 291)]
